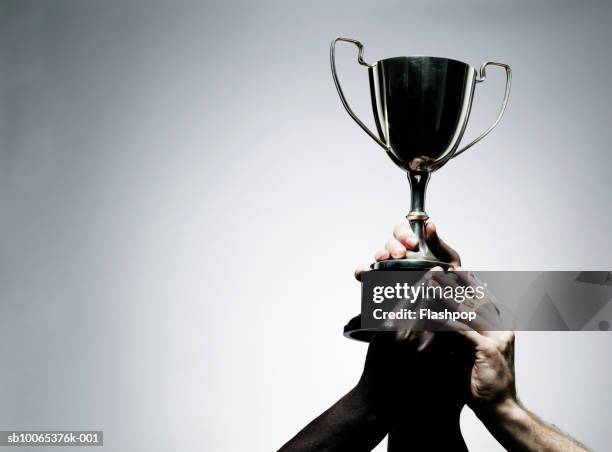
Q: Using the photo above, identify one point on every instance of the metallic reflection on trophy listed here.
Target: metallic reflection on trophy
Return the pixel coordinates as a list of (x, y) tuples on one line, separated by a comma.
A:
[(421, 108)]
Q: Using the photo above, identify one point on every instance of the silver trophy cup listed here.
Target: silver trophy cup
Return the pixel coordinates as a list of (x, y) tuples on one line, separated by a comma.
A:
[(421, 108)]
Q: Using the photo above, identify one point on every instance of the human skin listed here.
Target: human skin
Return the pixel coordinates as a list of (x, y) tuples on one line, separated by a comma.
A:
[(403, 391), (492, 395), (409, 388), (414, 386), (491, 390)]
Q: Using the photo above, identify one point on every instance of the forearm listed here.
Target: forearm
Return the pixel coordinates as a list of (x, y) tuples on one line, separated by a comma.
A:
[(517, 429), (350, 424)]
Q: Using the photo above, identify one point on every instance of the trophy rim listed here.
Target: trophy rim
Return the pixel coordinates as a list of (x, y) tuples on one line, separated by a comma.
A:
[(422, 57)]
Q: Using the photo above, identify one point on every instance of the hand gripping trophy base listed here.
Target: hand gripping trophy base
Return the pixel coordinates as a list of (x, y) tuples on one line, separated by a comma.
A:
[(422, 260)]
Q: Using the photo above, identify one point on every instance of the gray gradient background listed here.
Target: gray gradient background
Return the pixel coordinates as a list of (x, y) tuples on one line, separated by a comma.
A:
[(161, 161)]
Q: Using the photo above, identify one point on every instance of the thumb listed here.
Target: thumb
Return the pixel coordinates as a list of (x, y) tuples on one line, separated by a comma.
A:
[(439, 247)]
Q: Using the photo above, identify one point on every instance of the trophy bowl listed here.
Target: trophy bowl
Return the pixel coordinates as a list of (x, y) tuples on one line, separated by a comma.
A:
[(421, 107)]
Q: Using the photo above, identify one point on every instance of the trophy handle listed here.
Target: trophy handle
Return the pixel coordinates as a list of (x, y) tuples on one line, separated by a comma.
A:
[(482, 78), (332, 57)]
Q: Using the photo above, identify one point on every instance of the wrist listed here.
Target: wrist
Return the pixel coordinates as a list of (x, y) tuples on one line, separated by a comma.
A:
[(503, 413)]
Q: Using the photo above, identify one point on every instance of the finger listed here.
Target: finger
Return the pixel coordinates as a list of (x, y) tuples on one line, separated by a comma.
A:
[(484, 320), (478, 340), (405, 235), (465, 277), (488, 321), (402, 327), (439, 248), (408, 327), (502, 338), (402, 334), (474, 337), (382, 255), (488, 314), (426, 339), (444, 278), (396, 249), (414, 337), (359, 273)]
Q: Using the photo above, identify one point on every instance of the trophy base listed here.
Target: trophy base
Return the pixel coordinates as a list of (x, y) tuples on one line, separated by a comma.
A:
[(409, 264), (353, 329)]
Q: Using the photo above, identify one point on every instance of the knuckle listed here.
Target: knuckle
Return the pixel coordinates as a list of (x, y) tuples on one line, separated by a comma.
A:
[(508, 337), (397, 252), (505, 340), (401, 232), (490, 347)]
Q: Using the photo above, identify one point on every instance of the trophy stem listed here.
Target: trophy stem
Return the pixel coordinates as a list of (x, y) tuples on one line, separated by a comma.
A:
[(417, 216), (418, 185), (423, 259)]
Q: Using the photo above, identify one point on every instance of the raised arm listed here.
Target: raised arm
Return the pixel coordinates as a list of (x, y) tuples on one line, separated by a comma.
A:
[(356, 422), (494, 400), (404, 390)]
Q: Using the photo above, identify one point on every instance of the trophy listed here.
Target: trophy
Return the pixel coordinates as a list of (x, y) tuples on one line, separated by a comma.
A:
[(421, 108)]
